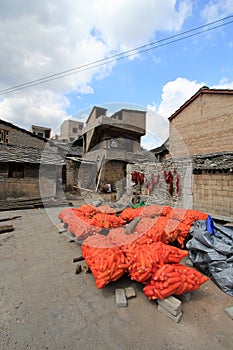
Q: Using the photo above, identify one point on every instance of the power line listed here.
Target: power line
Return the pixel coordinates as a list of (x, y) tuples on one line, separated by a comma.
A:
[(123, 55)]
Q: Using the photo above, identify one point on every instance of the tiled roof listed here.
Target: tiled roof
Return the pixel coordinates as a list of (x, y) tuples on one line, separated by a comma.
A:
[(10, 153), (203, 90)]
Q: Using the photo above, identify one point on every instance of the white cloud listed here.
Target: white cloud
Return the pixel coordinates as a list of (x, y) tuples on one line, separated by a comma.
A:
[(42, 38), (175, 93), (157, 128), (217, 9), (44, 108), (223, 84)]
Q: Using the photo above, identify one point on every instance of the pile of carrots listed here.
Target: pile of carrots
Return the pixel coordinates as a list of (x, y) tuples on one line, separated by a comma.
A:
[(155, 264), (143, 253), (148, 258), (106, 261), (158, 223), (173, 279)]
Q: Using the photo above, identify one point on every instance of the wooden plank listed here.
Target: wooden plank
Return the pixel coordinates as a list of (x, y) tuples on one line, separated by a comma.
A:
[(13, 218), (6, 228)]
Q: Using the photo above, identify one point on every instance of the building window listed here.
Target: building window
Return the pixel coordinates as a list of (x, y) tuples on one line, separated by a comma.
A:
[(40, 134), (16, 170), (4, 136), (47, 134), (75, 130), (129, 146), (80, 126)]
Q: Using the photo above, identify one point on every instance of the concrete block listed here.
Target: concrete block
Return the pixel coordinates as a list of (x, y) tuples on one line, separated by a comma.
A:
[(130, 293), (229, 311), (170, 310), (170, 303), (186, 297), (121, 297), (176, 318)]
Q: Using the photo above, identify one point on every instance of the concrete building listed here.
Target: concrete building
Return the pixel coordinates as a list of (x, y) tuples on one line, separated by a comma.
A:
[(111, 142), (41, 131), (70, 130)]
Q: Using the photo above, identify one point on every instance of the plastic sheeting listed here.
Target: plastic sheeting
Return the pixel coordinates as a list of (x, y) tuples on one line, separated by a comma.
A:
[(212, 252)]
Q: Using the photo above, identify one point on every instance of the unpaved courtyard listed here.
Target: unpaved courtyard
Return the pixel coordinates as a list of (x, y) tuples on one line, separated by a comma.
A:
[(45, 305)]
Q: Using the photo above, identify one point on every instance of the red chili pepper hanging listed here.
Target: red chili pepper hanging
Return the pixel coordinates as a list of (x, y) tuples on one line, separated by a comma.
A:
[(178, 185), (169, 180)]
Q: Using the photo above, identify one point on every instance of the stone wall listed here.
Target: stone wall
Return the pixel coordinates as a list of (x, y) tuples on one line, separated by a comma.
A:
[(175, 192), (113, 173), (20, 137), (213, 194)]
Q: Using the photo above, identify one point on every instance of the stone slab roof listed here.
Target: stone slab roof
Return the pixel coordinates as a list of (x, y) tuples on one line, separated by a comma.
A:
[(214, 161), (10, 153)]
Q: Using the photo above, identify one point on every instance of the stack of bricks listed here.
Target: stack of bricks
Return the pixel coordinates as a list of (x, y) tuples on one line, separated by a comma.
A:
[(170, 307)]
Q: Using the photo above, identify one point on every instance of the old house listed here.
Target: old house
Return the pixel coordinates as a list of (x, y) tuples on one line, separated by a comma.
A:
[(29, 164), (197, 172), (202, 130), (111, 142)]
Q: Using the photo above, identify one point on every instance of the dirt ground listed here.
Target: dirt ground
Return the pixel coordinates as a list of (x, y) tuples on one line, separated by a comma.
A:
[(45, 305)]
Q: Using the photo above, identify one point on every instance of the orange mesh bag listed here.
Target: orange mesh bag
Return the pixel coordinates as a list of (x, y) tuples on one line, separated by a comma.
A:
[(106, 261), (173, 279)]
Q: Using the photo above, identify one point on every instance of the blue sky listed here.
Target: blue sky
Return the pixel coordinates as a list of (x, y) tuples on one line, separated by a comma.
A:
[(38, 39)]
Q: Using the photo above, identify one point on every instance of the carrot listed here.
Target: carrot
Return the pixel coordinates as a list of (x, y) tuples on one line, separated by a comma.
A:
[(117, 275), (171, 281), (113, 268), (169, 290), (123, 266), (110, 260)]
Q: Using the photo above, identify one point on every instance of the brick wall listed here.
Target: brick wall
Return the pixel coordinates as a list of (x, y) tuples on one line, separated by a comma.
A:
[(204, 126), (213, 194)]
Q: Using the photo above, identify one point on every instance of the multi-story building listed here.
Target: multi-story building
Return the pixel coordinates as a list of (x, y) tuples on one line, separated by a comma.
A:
[(113, 142), (70, 130), (41, 131)]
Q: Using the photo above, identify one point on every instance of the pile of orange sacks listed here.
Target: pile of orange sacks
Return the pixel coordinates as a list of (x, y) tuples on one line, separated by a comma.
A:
[(159, 223), (142, 253)]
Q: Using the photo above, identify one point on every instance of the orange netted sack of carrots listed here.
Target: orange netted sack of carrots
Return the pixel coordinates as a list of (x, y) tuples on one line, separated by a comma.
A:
[(148, 230), (106, 220), (106, 261), (120, 238), (148, 258), (128, 214), (173, 279), (66, 215), (86, 210), (106, 209), (152, 210), (81, 229)]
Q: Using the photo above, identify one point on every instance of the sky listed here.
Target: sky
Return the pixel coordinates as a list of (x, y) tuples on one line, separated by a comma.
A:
[(41, 39)]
